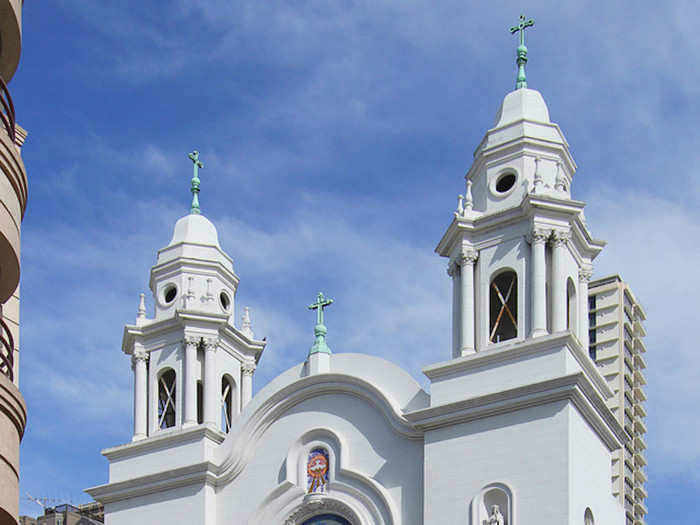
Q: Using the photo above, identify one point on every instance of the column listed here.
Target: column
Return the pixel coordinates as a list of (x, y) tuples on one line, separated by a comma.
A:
[(190, 382), (453, 271), (138, 364), (538, 290), (559, 299), (247, 370), (467, 260), (212, 383), (584, 276)]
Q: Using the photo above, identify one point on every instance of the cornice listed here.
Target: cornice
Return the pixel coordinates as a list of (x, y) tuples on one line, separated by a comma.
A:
[(575, 388), (199, 473), (529, 347), (164, 439)]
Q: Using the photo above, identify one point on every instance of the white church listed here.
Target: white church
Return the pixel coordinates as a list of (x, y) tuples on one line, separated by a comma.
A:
[(514, 429)]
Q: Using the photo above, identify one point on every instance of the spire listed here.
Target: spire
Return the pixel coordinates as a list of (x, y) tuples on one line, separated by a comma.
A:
[(194, 157), (142, 306), (246, 325), (320, 329), (522, 50)]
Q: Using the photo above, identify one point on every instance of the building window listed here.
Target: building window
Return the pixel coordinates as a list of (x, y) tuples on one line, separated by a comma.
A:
[(227, 396), (166, 399), (200, 403), (317, 470), (503, 307)]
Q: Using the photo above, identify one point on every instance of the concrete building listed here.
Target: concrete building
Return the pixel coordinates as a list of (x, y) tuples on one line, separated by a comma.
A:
[(13, 197), (616, 330), (515, 428), (66, 514)]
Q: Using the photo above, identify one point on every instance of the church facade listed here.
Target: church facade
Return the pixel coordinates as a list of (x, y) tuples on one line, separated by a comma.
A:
[(513, 431)]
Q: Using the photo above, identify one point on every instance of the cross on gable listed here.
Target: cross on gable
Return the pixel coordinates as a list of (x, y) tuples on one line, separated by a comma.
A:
[(319, 305)]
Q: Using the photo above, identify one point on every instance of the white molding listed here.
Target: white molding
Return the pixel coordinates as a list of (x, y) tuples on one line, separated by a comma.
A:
[(575, 388)]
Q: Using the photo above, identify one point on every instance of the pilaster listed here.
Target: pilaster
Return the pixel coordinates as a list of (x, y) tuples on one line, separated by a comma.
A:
[(190, 381), (467, 260), (537, 239), (211, 396), (559, 241), (247, 370), (139, 360)]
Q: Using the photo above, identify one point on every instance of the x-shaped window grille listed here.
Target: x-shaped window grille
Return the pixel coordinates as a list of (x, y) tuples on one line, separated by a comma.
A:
[(166, 403), (226, 407), (504, 308)]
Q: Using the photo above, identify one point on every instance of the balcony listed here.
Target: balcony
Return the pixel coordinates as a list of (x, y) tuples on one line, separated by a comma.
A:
[(11, 36), (7, 351), (639, 394), (640, 427), (639, 461), (639, 443), (640, 510), (639, 476), (639, 410), (13, 194), (639, 362)]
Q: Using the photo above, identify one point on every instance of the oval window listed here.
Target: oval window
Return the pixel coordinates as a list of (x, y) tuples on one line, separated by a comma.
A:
[(224, 300), (169, 293), (505, 182)]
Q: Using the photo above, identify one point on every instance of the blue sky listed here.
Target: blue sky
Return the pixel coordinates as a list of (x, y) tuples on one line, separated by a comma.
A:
[(335, 136)]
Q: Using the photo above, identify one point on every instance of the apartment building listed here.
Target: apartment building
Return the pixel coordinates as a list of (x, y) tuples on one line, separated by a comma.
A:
[(13, 200), (616, 344)]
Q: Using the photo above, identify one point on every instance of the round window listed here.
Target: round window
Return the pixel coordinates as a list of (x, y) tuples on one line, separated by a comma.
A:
[(224, 300), (169, 293), (505, 182)]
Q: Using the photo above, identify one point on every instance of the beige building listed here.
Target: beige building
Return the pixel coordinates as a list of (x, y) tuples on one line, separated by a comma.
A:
[(616, 345), (13, 197), (87, 514)]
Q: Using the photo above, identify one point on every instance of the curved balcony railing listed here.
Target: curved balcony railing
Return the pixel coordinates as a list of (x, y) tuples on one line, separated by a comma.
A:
[(7, 351), (7, 114)]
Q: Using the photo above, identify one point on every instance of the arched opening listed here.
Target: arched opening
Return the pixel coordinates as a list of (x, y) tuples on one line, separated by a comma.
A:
[(327, 519), (167, 397), (493, 505), (588, 517), (503, 307), (200, 403), (227, 403), (571, 305)]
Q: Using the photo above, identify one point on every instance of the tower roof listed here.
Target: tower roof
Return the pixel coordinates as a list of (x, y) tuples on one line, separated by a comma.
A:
[(195, 229), (522, 104)]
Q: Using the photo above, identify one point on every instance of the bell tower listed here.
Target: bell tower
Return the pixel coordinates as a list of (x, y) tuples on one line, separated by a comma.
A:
[(520, 253), (517, 420), (192, 365)]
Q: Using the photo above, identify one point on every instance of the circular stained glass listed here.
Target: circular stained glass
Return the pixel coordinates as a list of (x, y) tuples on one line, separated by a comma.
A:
[(327, 519)]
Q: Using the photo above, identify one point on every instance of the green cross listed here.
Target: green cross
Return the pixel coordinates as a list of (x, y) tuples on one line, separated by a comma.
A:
[(521, 81), (194, 157), (521, 27), (319, 305)]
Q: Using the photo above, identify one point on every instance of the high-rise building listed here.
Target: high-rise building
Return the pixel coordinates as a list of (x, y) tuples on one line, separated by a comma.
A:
[(13, 196), (615, 343)]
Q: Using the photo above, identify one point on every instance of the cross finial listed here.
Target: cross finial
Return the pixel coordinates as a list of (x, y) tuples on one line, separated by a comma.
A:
[(320, 329), (194, 157), (521, 82)]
